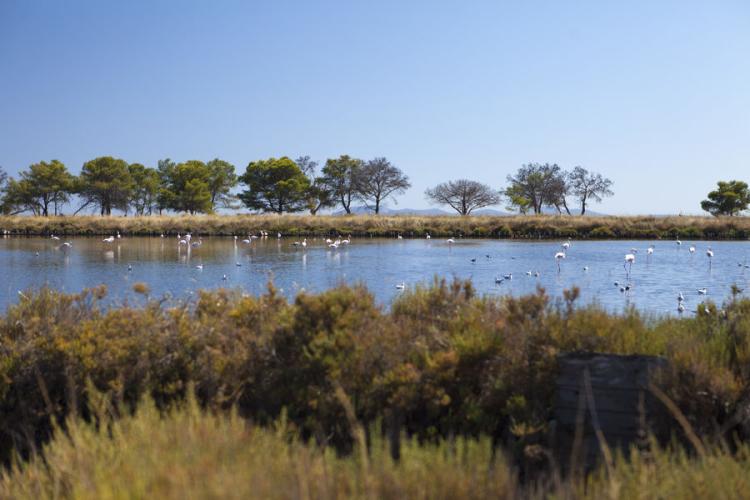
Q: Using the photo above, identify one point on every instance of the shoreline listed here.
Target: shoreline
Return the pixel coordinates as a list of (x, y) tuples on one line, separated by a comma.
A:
[(522, 227)]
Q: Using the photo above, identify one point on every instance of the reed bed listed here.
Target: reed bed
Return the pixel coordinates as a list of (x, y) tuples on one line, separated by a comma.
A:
[(522, 227)]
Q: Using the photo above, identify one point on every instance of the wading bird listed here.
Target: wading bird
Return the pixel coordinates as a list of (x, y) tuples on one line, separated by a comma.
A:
[(558, 257), (109, 239), (401, 286), (628, 265)]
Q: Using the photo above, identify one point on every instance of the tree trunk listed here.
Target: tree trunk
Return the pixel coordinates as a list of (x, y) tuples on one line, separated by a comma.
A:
[(565, 205)]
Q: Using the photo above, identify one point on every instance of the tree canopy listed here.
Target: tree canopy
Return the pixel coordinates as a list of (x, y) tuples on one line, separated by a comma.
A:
[(41, 186), (463, 195), (320, 194), (275, 185), (146, 185), (341, 176), (105, 182), (730, 198), (535, 185), (378, 180), (187, 187), (588, 186), (221, 180)]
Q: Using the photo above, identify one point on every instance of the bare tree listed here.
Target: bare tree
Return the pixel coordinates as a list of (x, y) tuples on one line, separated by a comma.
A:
[(587, 186), (378, 180), (463, 195)]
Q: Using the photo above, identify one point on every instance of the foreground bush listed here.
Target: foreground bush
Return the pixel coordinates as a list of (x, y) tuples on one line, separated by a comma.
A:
[(189, 453), (440, 362)]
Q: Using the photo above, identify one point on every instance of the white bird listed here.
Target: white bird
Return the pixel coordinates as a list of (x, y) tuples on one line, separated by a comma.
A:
[(709, 253), (110, 239), (528, 273), (65, 245), (329, 241), (238, 264), (400, 237), (703, 291), (508, 276), (680, 307), (585, 268), (118, 235), (54, 237), (680, 297), (566, 245), (558, 257), (450, 241), (130, 268), (628, 265), (187, 237), (182, 242), (691, 249), (401, 286), (536, 274), (246, 241), (199, 267), (428, 236), (235, 237), (278, 236), (498, 280), (224, 278), (304, 243), (678, 242), (650, 250)]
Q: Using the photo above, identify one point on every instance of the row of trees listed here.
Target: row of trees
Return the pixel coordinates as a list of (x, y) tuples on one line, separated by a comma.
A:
[(283, 185), (534, 187), (273, 185), (108, 183)]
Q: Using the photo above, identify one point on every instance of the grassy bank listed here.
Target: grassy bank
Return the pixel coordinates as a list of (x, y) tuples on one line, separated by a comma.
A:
[(440, 362), (190, 453), (522, 227)]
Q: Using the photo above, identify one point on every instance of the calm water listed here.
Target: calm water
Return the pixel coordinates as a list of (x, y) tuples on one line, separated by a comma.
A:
[(379, 263)]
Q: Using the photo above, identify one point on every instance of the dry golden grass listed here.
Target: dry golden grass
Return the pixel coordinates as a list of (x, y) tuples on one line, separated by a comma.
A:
[(527, 226), (191, 453)]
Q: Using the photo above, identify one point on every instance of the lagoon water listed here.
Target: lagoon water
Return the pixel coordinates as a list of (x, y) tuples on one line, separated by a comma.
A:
[(381, 264)]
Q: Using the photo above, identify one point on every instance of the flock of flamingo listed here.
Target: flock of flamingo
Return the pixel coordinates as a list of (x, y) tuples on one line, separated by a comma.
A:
[(186, 240)]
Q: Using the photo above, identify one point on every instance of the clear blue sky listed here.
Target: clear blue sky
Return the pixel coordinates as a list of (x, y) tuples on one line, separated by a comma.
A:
[(655, 95)]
